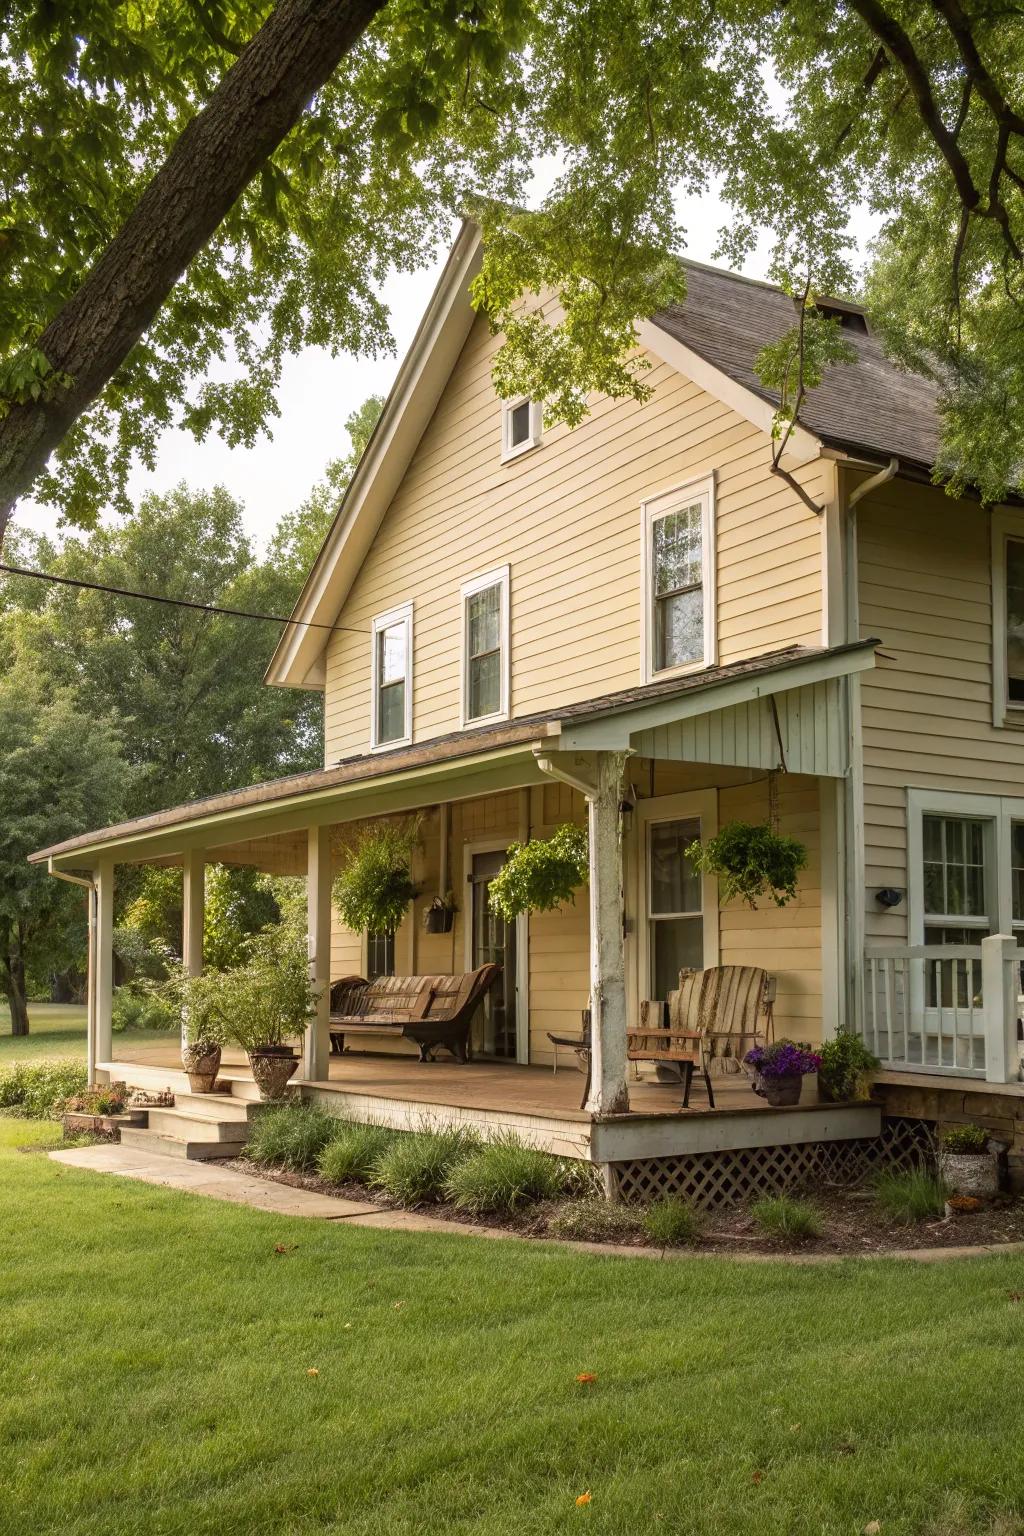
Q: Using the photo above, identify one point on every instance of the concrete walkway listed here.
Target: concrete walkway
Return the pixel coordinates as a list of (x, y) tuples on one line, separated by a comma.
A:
[(220, 1183)]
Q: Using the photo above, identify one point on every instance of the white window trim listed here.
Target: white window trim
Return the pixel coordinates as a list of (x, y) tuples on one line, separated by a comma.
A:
[(1005, 526), (499, 577), (508, 452), (702, 803), (400, 615), (702, 490), (1001, 811)]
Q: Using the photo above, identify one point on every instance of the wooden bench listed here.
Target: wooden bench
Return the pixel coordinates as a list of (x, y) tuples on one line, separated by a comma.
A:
[(431, 1011)]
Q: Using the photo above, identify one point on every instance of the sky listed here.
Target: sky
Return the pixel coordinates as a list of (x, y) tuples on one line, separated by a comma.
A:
[(319, 392)]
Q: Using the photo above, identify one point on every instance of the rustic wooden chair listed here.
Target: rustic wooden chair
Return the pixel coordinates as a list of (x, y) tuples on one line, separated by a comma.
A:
[(677, 1048), (714, 1018)]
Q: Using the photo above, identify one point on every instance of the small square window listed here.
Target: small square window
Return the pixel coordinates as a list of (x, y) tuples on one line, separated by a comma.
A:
[(521, 425)]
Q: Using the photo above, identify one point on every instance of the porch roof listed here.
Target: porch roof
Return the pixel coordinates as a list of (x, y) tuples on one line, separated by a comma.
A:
[(456, 766)]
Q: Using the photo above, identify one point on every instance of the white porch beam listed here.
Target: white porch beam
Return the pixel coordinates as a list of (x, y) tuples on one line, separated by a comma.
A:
[(317, 1044), (600, 781), (194, 910), (104, 962)]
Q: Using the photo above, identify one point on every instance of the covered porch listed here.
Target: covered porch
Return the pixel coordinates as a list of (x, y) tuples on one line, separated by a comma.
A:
[(647, 772)]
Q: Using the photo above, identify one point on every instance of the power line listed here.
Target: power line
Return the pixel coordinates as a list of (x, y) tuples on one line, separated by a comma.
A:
[(175, 602)]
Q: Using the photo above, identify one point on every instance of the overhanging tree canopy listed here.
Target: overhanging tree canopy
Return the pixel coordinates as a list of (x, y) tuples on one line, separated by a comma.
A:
[(166, 199)]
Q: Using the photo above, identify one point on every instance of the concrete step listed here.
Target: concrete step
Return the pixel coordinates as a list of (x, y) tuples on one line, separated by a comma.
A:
[(217, 1106), (189, 1125), (160, 1144)]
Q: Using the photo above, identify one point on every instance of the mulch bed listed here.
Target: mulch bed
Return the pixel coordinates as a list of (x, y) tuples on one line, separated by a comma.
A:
[(853, 1226)]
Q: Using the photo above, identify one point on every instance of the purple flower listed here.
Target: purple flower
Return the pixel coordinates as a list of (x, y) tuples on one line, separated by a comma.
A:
[(783, 1058)]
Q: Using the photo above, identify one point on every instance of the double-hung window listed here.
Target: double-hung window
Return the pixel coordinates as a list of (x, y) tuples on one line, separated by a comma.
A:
[(958, 890), (1007, 620), (391, 724), (679, 581), (485, 648)]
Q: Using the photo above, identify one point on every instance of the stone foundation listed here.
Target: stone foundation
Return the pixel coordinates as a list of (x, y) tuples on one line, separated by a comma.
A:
[(946, 1104)]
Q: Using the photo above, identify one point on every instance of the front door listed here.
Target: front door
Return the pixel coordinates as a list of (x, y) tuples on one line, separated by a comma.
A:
[(493, 941)]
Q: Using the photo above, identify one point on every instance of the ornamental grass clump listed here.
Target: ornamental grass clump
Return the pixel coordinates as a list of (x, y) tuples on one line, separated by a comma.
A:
[(291, 1137), (541, 875), (912, 1196), (353, 1152), (596, 1220), (670, 1223), (795, 1221), (415, 1168), (505, 1174)]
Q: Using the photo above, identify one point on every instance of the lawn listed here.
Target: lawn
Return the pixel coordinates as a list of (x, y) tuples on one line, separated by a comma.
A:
[(57, 1030), (174, 1364)]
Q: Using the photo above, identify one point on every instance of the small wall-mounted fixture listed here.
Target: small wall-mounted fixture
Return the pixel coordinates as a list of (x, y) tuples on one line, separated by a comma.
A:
[(888, 897), (626, 807)]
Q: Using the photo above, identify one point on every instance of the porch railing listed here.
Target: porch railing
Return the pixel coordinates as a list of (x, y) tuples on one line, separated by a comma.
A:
[(951, 1010)]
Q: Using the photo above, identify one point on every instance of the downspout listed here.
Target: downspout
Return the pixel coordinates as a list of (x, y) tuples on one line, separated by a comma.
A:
[(585, 787), (867, 486)]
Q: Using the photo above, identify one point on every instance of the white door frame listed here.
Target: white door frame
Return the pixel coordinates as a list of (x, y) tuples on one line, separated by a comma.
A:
[(501, 845), (702, 803)]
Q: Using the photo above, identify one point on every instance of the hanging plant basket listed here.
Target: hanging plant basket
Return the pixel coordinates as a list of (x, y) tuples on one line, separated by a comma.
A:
[(751, 860), (375, 886), (541, 875), (440, 915)]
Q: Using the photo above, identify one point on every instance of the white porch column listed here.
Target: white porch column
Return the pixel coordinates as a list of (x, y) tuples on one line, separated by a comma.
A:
[(90, 988), (194, 910), (608, 1092), (317, 1046), (1000, 961), (104, 962)]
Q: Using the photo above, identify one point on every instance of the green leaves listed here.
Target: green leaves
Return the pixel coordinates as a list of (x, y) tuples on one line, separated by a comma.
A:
[(541, 875), (374, 887), (751, 860)]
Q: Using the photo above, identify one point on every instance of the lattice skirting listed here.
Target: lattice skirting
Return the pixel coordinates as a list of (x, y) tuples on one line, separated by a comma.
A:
[(709, 1179)]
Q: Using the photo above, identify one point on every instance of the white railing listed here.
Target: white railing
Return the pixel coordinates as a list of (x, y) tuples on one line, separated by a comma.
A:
[(951, 1009)]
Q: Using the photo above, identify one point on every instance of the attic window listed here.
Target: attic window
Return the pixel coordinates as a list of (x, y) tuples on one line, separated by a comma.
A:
[(521, 422), (852, 317)]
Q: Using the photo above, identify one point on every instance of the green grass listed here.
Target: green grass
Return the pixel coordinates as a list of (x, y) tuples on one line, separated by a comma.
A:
[(795, 1221), (909, 1197), (57, 1031), (154, 1349), (504, 1175), (671, 1223)]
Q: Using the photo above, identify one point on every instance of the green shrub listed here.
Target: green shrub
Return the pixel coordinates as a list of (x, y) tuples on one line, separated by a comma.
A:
[(781, 1216), (909, 1197), (505, 1174), (542, 874), (415, 1168), (137, 1008), (671, 1223), (38, 1089), (597, 1221), (352, 1153), (845, 1064), (964, 1139), (290, 1137)]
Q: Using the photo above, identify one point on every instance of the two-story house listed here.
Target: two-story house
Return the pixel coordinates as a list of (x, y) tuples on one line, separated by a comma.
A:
[(639, 624)]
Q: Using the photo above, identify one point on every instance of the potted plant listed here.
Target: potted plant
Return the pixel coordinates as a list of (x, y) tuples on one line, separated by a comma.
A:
[(779, 1070), (968, 1161), (374, 887), (440, 915), (751, 860), (846, 1067), (196, 1000), (265, 1004), (541, 875)]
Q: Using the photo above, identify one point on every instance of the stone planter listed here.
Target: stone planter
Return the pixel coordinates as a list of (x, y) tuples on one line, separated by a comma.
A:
[(970, 1173), (780, 1091), (75, 1121), (272, 1068), (201, 1060)]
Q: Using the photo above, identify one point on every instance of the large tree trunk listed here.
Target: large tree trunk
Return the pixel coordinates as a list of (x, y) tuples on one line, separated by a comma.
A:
[(13, 977), (256, 104)]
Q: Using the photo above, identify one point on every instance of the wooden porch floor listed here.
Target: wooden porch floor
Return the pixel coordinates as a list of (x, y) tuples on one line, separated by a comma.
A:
[(487, 1085)]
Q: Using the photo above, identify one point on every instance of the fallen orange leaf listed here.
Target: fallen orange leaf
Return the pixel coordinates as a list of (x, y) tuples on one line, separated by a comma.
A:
[(313, 1371), (584, 1498), (756, 1477), (586, 1377)]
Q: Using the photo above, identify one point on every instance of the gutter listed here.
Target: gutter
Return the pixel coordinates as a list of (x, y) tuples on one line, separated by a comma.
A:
[(866, 487)]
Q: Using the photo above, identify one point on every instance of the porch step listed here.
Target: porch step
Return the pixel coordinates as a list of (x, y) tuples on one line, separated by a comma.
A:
[(211, 1106), (195, 1148), (200, 1125)]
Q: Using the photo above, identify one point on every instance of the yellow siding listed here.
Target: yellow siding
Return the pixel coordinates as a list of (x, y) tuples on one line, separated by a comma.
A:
[(566, 518), (925, 591)]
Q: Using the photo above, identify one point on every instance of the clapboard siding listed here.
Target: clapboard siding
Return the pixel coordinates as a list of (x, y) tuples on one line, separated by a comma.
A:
[(566, 518), (926, 592)]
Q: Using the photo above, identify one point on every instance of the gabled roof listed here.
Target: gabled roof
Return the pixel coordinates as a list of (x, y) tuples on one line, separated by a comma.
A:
[(869, 408)]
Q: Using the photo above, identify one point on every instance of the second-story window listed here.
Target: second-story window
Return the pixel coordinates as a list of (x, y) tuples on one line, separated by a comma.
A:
[(521, 426), (679, 577), (391, 724), (485, 648)]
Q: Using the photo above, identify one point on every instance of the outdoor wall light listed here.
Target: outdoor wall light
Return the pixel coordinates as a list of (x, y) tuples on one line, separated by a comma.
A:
[(888, 897)]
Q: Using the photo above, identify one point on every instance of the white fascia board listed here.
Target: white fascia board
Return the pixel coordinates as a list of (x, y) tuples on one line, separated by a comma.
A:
[(298, 661), (803, 446)]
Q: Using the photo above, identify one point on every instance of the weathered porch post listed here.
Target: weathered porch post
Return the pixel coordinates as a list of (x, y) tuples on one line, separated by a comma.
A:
[(317, 1046), (193, 866), (1000, 973), (104, 965), (608, 1092), (90, 987)]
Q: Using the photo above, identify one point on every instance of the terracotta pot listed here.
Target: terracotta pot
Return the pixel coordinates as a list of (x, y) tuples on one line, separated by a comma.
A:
[(272, 1067), (970, 1173), (201, 1060), (780, 1091)]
